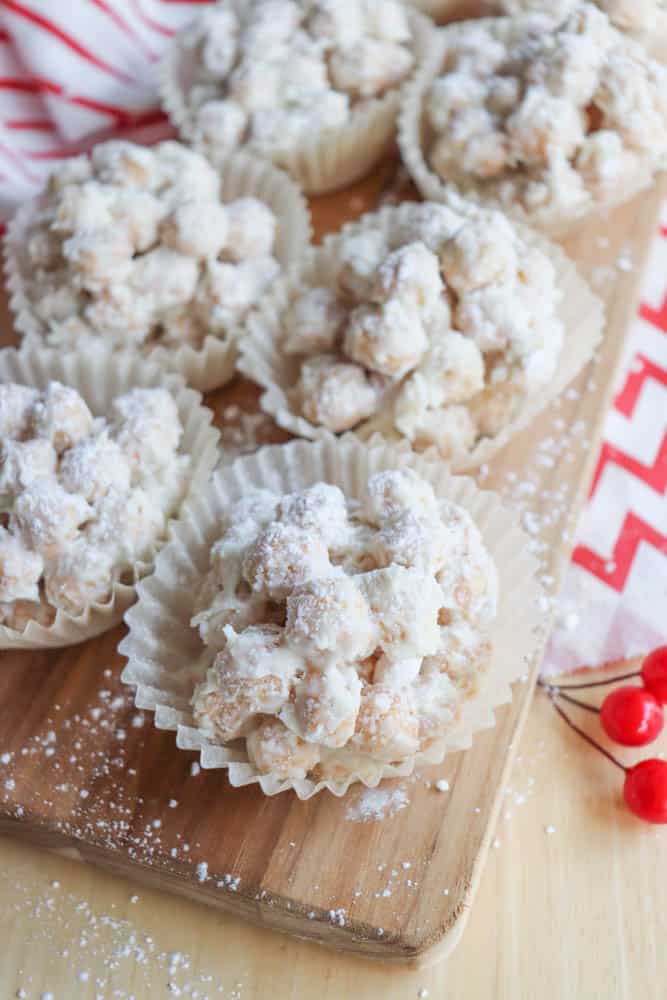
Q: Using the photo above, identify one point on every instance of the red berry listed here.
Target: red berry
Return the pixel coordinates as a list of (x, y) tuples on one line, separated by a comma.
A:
[(654, 673), (631, 716), (645, 790)]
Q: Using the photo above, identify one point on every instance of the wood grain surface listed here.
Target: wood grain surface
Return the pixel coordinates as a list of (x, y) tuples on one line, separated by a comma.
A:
[(81, 767), (576, 913)]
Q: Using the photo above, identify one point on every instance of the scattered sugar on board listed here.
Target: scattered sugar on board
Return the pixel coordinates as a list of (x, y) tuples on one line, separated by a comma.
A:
[(337, 916), (374, 804), (114, 947), (624, 261), (138, 950), (522, 782), (370, 805), (114, 816), (544, 507)]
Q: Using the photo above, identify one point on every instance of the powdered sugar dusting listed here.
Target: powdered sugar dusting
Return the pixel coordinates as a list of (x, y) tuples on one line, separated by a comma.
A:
[(102, 948), (375, 804), (341, 626)]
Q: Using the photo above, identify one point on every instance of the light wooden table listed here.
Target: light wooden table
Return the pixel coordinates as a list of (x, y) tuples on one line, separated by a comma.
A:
[(575, 913)]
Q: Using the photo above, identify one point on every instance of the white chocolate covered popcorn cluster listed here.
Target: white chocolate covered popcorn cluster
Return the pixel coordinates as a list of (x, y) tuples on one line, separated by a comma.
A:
[(547, 119), (134, 245), (342, 630), (82, 498), (271, 74), (627, 15), (439, 328)]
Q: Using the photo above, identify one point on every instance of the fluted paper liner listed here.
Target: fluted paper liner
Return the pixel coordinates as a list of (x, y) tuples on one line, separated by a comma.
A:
[(415, 137), (211, 365), (330, 159), (263, 360), (164, 651), (99, 376)]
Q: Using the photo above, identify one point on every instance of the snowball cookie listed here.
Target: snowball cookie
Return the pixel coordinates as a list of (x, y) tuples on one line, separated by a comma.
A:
[(83, 498), (635, 16), (546, 120), (272, 74), (437, 326), (338, 630), (136, 247)]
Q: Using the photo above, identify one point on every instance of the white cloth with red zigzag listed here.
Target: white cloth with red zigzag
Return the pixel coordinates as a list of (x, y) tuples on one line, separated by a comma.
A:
[(614, 596), (76, 71)]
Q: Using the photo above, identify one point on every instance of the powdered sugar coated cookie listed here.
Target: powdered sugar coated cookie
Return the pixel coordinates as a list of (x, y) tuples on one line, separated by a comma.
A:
[(321, 646)]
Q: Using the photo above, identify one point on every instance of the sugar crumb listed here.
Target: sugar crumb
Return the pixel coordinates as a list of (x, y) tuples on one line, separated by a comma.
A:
[(375, 804)]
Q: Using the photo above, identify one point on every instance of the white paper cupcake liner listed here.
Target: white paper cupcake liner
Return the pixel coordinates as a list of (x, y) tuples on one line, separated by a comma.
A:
[(330, 159), (415, 136), (164, 652), (100, 376), (263, 360), (211, 365)]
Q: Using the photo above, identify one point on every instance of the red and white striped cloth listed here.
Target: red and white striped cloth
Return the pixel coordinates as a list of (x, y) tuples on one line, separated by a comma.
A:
[(75, 71)]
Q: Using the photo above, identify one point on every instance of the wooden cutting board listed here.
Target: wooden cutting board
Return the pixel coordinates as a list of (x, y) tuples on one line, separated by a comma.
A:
[(81, 769)]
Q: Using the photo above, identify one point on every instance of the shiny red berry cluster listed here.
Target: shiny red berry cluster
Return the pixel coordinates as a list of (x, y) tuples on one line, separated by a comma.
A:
[(633, 716)]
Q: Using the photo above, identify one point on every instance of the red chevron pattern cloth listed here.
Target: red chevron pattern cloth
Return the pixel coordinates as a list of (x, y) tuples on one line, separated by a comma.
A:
[(613, 603), (76, 71)]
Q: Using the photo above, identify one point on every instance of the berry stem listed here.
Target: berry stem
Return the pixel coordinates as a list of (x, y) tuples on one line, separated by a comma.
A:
[(589, 739), (590, 684), (575, 701)]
